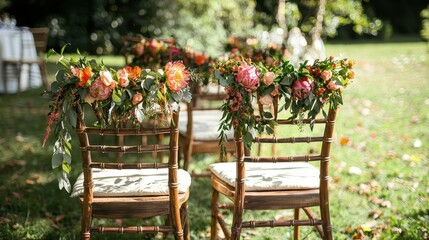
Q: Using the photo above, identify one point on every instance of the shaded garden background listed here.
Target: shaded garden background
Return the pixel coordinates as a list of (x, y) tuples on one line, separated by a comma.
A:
[(96, 26)]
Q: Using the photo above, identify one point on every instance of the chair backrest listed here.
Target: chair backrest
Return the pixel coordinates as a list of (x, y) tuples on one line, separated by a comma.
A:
[(318, 141), (88, 146), (40, 36)]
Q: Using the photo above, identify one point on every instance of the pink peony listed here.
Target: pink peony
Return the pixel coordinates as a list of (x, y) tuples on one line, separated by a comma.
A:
[(99, 91), (106, 77), (247, 77), (123, 78), (326, 75), (301, 88), (268, 78), (137, 98), (177, 76)]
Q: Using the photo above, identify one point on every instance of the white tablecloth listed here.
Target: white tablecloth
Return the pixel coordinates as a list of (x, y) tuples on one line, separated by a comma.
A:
[(10, 48)]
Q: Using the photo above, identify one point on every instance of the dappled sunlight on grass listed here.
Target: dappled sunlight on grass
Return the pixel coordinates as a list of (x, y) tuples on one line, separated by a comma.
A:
[(379, 183)]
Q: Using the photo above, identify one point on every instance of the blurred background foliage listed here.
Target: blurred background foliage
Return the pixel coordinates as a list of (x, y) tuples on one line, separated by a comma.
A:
[(97, 26)]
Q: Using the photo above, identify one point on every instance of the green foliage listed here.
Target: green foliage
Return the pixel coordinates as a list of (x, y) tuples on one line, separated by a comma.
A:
[(4, 4), (425, 24)]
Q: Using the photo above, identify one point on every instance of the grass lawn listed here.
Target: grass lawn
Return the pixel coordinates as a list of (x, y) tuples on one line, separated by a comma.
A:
[(379, 169)]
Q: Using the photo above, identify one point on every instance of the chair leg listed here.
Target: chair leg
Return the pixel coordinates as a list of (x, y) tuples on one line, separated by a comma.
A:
[(214, 213), (185, 221), (187, 157), (327, 228), (86, 226), (296, 229)]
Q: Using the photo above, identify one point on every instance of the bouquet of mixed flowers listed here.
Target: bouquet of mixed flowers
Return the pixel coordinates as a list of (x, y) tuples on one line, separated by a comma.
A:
[(128, 94), (305, 90)]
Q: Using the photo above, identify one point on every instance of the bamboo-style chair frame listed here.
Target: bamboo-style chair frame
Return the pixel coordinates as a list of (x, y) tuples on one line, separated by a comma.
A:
[(173, 205), (189, 145), (276, 199)]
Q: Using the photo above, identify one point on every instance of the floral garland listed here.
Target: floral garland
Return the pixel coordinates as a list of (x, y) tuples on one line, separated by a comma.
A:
[(303, 90), (128, 94), (250, 48), (155, 53)]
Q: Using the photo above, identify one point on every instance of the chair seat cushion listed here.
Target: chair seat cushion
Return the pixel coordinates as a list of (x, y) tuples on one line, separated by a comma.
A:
[(131, 182), (271, 176), (205, 124)]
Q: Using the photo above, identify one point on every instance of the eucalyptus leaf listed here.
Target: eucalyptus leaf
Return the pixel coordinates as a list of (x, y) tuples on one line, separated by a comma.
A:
[(139, 115), (66, 167), (64, 182), (187, 95), (57, 159)]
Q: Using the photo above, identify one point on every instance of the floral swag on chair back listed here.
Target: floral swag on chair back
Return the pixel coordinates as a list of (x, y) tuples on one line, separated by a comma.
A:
[(130, 94), (305, 90)]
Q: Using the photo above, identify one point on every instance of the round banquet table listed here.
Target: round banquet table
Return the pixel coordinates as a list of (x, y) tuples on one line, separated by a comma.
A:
[(10, 49)]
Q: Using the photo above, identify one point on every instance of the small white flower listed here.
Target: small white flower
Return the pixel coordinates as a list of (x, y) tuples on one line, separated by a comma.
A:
[(417, 143), (355, 170)]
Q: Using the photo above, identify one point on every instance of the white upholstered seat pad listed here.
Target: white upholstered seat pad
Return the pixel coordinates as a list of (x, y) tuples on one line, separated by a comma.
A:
[(271, 176), (131, 182), (205, 124)]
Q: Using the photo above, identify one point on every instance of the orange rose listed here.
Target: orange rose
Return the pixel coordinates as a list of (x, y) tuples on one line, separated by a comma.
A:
[(137, 98), (268, 78), (84, 75), (351, 74), (200, 59), (134, 73), (326, 75), (177, 76)]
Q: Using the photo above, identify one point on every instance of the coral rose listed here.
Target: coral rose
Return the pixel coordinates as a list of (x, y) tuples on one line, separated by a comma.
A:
[(139, 49), (106, 77), (177, 76), (123, 78), (99, 91), (268, 78), (332, 86), (247, 77), (301, 88), (137, 98), (326, 75)]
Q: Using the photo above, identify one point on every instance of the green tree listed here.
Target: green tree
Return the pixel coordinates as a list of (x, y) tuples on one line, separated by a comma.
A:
[(4, 3), (334, 14), (425, 24)]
